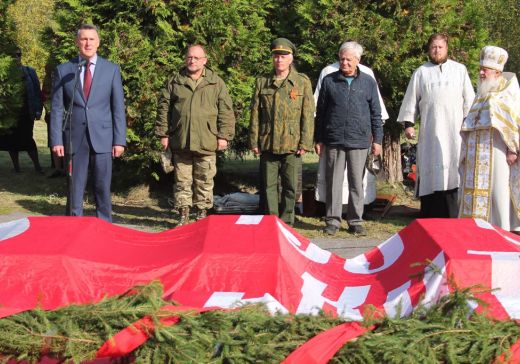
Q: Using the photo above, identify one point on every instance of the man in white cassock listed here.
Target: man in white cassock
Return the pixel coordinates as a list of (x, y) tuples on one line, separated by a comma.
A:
[(440, 94), (490, 146), (369, 179)]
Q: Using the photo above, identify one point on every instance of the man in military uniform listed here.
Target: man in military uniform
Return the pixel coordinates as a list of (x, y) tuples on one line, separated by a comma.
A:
[(281, 128), (195, 119)]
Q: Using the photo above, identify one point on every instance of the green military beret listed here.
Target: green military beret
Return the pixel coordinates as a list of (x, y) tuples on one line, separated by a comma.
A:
[(282, 46)]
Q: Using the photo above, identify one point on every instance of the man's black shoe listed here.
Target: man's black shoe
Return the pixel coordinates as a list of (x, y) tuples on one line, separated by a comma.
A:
[(57, 173), (330, 230), (358, 230)]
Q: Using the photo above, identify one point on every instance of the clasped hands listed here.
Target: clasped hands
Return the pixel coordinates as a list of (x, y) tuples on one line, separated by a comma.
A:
[(376, 148), (117, 150)]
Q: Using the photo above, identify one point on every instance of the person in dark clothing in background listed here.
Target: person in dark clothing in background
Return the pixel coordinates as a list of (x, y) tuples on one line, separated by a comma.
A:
[(21, 136), (57, 163)]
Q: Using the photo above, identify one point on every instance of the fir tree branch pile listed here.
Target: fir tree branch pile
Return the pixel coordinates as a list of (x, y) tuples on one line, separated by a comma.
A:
[(443, 333)]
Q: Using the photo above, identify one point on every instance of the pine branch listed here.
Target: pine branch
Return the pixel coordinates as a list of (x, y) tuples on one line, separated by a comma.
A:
[(442, 333)]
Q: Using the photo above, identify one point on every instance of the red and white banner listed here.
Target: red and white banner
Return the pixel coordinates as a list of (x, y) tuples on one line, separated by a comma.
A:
[(222, 261)]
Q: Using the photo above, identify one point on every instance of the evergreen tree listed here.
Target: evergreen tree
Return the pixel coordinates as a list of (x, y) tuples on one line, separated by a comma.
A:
[(11, 90), (148, 40), (394, 35), (501, 20), (11, 93), (30, 18)]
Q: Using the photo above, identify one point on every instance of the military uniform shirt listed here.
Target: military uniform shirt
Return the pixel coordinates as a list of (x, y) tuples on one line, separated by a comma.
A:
[(282, 114)]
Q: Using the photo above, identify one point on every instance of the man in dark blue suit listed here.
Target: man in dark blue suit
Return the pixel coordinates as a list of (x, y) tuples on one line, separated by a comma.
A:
[(97, 124)]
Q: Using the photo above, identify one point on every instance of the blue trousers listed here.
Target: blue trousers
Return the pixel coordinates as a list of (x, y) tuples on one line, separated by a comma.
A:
[(100, 165)]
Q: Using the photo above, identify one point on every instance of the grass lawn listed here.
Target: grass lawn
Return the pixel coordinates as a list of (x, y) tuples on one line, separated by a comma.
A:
[(148, 208)]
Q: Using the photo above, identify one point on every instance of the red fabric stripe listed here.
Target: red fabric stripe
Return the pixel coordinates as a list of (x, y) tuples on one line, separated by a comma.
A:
[(321, 348), (130, 338), (514, 350)]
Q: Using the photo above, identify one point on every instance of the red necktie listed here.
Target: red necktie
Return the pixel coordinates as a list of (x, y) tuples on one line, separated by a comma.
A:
[(87, 81)]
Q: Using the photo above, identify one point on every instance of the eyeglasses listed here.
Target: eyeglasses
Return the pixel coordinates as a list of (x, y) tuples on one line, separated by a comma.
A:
[(196, 59)]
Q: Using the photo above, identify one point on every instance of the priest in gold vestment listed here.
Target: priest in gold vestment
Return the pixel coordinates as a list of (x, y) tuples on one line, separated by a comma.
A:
[(490, 170)]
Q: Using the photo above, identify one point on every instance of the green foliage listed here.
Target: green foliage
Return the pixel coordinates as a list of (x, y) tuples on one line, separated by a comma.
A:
[(11, 87), (250, 334), (6, 28), (442, 333), (238, 43), (11, 92), (148, 40), (30, 18), (76, 332), (502, 22), (393, 33)]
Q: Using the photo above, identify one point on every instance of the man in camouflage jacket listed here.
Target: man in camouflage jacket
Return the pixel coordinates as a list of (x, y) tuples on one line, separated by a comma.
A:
[(195, 119), (281, 129)]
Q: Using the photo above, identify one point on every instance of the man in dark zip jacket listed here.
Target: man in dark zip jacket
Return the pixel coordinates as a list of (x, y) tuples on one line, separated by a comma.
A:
[(348, 123)]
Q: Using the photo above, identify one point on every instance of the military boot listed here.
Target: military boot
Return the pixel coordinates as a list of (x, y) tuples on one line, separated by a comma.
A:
[(184, 216), (201, 213)]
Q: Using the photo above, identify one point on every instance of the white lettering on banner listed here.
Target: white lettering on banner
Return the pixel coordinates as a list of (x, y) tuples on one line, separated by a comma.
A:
[(312, 298), (486, 225), (435, 285), (398, 300), (483, 224), (434, 280), (505, 276), (511, 240), (272, 303), (223, 299), (351, 297), (391, 250), (249, 219), (11, 229), (313, 252), (234, 299), (348, 303)]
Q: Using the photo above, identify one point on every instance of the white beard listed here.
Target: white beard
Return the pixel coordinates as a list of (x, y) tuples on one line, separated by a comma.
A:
[(487, 85)]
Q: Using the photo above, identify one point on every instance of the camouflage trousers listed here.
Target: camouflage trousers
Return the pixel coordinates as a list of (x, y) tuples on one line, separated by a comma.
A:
[(194, 175)]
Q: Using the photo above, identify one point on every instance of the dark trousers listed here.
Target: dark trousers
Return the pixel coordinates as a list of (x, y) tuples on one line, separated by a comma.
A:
[(101, 167), (287, 167), (440, 204)]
